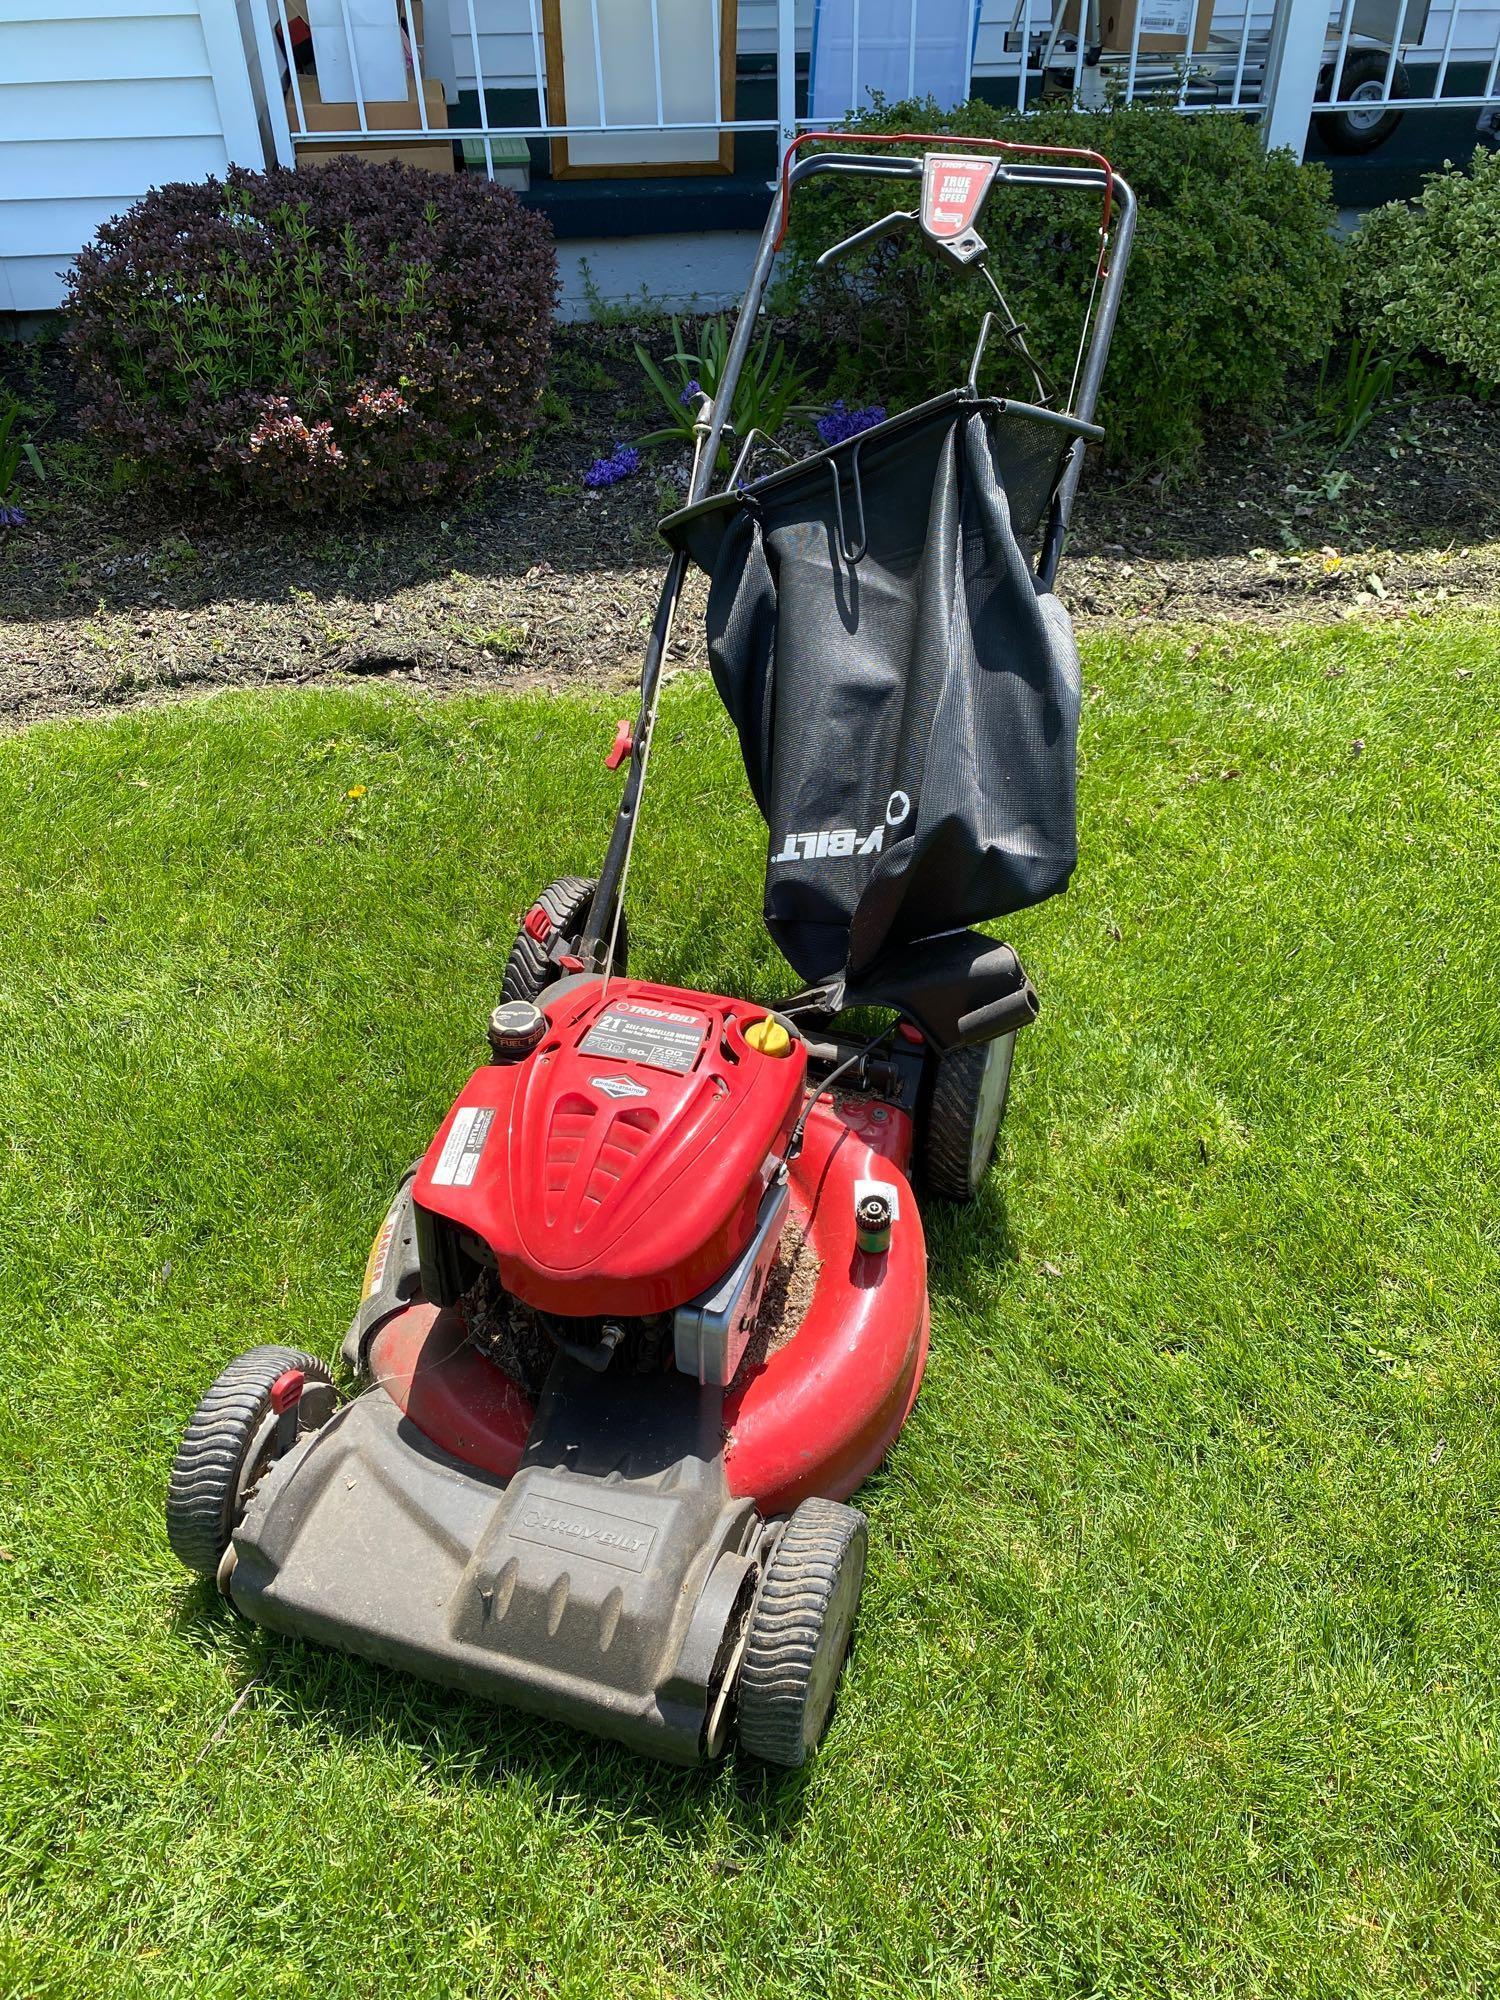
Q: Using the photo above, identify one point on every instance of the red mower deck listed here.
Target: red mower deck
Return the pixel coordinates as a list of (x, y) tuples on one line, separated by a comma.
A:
[(816, 1417)]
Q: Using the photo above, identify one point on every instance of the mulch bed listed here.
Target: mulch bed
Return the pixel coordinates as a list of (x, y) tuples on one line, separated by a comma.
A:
[(110, 598)]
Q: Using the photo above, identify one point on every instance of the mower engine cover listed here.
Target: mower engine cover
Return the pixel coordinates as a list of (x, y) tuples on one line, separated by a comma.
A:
[(618, 1168)]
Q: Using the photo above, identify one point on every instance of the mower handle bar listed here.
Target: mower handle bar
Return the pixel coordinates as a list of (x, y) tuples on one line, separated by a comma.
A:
[(1017, 176), (1039, 171), (1029, 151)]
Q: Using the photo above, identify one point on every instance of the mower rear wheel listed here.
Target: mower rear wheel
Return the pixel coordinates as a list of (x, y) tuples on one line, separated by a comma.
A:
[(969, 1095), (799, 1632), (226, 1447), (530, 969)]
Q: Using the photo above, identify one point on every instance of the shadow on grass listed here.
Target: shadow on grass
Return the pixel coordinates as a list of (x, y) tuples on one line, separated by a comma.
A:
[(462, 1740), (961, 1241)]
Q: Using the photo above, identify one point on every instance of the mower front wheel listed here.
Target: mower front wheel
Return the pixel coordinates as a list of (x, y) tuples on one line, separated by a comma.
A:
[(800, 1626), (969, 1094), (228, 1445), (556, 919)]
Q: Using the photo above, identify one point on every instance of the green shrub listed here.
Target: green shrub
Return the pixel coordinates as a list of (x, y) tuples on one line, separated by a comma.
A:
[(1427, 280), (1235, 276)]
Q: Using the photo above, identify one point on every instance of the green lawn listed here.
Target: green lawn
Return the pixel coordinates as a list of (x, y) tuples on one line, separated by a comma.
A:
[(1180, 1655)]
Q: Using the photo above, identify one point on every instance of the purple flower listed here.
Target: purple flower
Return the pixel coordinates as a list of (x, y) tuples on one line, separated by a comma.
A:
[(842, 423), (691, 393), (622, 461), (12, 517)]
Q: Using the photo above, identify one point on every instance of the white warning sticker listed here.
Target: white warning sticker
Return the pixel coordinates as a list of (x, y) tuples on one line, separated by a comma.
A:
[(888, 1188), (459, 1160)]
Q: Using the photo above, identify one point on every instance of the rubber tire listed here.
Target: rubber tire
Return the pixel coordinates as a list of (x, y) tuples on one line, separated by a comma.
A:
[(1333, 127), (203, 1488), (529, 971), (799, 1632), (946, 1145)]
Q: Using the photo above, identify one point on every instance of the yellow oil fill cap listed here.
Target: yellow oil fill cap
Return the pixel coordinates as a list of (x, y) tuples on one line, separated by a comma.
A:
[(769, 1037)]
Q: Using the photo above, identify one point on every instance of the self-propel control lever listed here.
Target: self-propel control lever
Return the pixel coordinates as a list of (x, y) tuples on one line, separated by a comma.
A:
[(965, 250), (953, 192)]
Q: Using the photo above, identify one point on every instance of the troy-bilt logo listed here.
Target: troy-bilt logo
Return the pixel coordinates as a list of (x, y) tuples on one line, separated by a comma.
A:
[(587, 1532), (835, 843), (952, 191), (618, 1086)]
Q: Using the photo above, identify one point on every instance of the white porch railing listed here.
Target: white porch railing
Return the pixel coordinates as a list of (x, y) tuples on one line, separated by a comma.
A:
[(653, 83)]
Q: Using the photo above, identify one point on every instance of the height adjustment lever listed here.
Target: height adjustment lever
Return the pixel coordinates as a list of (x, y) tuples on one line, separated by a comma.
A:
[(286, 1407), (622, 746)]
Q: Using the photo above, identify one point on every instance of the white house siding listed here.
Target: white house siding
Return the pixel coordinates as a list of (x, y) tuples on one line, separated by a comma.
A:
[(99, 101)]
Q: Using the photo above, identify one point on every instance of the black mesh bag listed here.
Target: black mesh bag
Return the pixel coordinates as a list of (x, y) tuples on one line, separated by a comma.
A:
[(906, 699)]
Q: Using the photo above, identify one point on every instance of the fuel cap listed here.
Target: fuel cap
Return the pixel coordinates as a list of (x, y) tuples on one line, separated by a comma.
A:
[(516, 1026)]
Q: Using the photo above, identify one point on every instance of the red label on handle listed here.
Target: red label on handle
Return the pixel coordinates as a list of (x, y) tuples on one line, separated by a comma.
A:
[(952, 191)]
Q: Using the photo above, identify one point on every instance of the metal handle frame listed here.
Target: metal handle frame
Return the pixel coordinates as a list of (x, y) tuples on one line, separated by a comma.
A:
[(1036, 166)]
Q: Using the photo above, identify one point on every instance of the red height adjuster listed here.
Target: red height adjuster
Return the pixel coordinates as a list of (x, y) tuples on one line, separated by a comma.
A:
[(286, 1399), (622, 746)]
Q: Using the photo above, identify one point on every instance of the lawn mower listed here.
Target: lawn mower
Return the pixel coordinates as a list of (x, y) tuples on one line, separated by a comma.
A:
[(653, 1303)]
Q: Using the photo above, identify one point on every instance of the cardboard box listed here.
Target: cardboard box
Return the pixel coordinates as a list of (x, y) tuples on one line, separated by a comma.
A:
[(1164, 25), (401, 114), (381, 114)]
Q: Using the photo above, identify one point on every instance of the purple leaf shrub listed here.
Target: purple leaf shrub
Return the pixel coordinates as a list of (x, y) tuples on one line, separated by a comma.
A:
[(322, 339)]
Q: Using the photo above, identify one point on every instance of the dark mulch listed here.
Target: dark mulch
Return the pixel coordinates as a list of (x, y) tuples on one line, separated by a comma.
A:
[(108, 597)]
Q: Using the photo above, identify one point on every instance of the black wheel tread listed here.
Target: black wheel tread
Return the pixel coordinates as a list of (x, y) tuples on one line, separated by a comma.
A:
[(947, 1130), (205, 1472), (945, 1144), (528, 970), (787, 1627)]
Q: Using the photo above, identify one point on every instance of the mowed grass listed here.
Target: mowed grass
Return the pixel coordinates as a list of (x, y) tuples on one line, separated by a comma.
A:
[(1180, 1652)]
